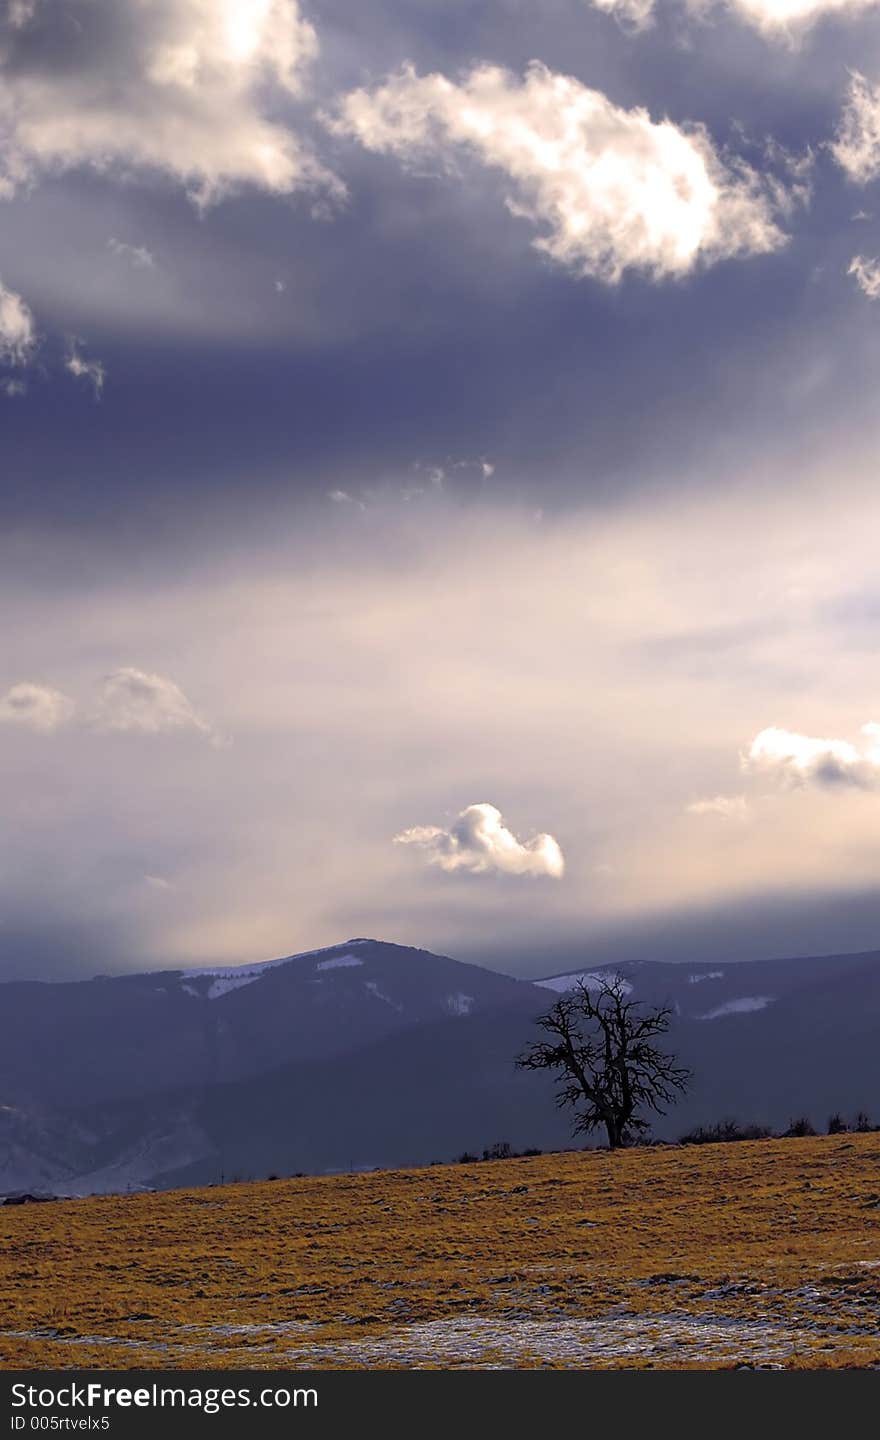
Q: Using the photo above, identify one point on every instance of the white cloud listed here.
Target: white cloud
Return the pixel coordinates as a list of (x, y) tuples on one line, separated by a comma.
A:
[(342, 497), (91, 370), (793, 759), (17, 331), (610, 189), (136, 701), (728, 807), (856, 145), (480, 842), (183, 87), (36, 707), (867, 275), (778, 18), (632, 14), (138, 256)]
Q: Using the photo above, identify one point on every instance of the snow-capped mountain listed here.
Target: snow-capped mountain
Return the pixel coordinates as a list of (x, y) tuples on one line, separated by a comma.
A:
[(368, 1053)]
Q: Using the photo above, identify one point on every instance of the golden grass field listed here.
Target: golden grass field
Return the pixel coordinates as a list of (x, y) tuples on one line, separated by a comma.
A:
[(759, 1253)]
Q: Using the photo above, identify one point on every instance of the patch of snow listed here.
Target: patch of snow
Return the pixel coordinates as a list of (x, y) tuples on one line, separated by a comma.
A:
[(705, 975), (191, 990), (224, 983), (739, 1007), (460, 1004), (380, 994), (593, 979), (339, 962)]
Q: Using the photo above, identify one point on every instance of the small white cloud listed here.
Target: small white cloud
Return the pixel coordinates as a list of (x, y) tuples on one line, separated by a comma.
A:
[(630, 14), (17, 330), (13, 389), (479, 842), (21, 12), (91, 370), (867, 275), (342, 497), (609, 188), (793, 759), (856, 146), (142, 703), (728, 807), (138, 256), (36, 707), (158, 882), (280, 286)]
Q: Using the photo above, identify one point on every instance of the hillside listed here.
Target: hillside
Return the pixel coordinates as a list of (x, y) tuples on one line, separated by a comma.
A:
[(370, 1054), (756, 1254)]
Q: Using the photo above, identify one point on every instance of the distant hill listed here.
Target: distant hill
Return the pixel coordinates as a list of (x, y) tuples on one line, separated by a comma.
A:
[(368, 1053)]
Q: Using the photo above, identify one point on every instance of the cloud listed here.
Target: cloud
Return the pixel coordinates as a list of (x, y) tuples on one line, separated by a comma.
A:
[(867, 275), (36, 707), (856, 145), (793, 759), (138, 256), (138, 702), (778, 18), (480, 843), (17, 330), (91, 370), (187, 88), (610, 189), (775, 19), (728, 807), (631, 14)]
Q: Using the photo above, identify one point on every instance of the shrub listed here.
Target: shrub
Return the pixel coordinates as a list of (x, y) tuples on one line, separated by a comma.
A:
[(798, 1129), (466, 1158), (724, 1132), (863, 1123), (837, 1125), (499, 1151)]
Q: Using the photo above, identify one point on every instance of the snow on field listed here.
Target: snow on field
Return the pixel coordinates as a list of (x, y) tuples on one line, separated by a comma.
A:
[(739, 1007)]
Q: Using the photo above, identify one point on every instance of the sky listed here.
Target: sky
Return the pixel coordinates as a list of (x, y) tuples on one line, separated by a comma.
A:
[(438, 500)]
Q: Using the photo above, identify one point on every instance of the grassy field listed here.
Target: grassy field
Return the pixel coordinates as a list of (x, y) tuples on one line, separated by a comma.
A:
[(761, 1253)]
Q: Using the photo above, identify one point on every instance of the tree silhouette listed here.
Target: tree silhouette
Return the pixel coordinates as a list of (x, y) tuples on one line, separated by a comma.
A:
[(609, 1069)]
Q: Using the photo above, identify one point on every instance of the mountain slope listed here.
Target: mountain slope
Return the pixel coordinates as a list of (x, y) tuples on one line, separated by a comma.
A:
[(79, 1043), (370, 1054)]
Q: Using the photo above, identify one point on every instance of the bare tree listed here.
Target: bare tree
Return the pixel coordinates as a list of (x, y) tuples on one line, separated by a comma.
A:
[(601, 1044)]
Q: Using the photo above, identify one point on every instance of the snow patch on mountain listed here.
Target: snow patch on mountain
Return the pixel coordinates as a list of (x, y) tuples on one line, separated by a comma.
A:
[(374, 989), (593, 979), (339, 962), (743, 1006), (460, 1004), (225, 978), (705, 975)]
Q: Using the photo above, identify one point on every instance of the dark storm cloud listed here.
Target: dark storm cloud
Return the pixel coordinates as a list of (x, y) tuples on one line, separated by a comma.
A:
[(418, 321)]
